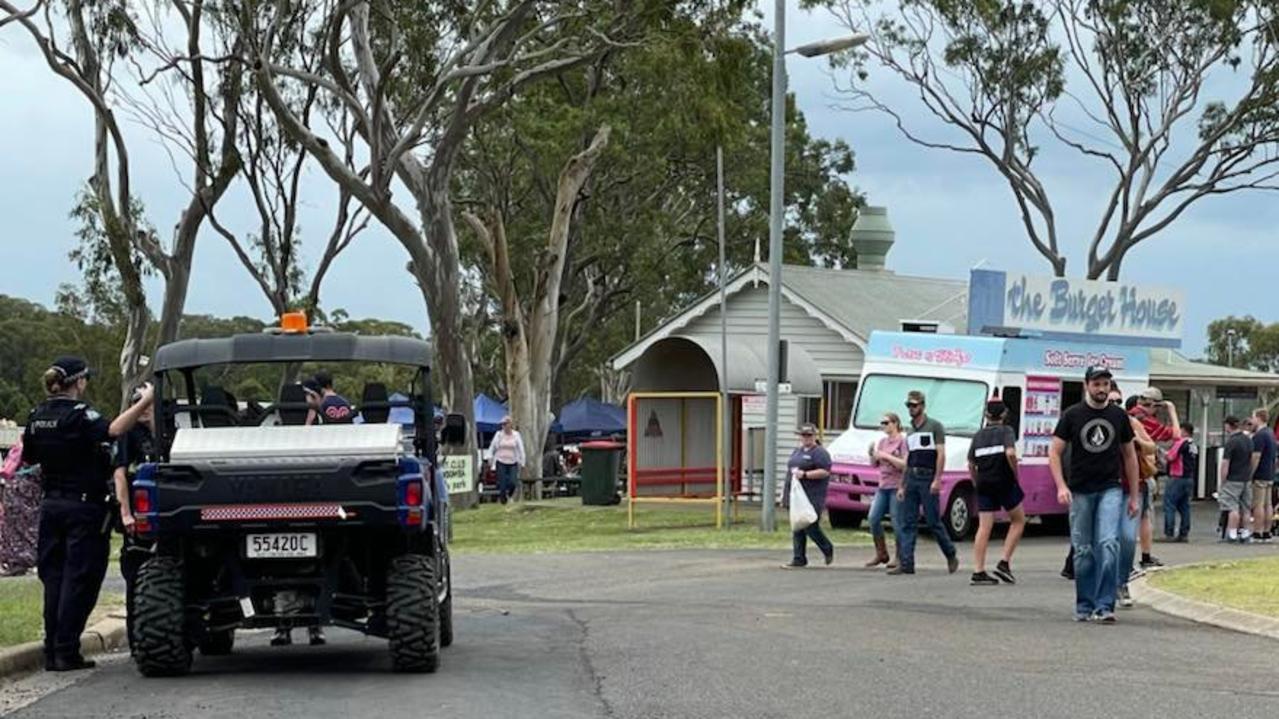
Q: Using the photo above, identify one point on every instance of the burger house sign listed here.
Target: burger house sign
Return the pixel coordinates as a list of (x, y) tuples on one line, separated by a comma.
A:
[(1076, 309)]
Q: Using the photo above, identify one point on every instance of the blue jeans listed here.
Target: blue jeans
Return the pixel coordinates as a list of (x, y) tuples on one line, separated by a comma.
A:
[(1094, 535), (506, 477), (918, 494), (1128, 527), (799, 542), (1177, 502), (884, 503)]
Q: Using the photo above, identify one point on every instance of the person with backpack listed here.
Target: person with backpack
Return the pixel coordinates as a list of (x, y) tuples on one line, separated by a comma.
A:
[(1144, 410), (1183, 468)]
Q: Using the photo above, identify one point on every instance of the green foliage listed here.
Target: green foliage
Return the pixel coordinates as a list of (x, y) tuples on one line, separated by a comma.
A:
[(101, 297), (1250, 343), (645, 225)]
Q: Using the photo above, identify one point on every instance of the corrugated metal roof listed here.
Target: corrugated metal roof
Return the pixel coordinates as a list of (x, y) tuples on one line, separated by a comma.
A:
[(1171, 366), (863, 301)]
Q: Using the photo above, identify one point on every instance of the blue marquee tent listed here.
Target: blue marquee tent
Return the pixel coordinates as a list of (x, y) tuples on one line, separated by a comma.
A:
[(590, 417), (488, 414)]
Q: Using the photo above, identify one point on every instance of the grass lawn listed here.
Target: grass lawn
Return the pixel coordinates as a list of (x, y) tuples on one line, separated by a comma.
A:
[(1248, 584), (567, 526), (22, 601)]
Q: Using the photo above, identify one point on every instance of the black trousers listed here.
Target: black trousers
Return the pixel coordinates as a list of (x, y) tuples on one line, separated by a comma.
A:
[(72, 549), (135, 553)]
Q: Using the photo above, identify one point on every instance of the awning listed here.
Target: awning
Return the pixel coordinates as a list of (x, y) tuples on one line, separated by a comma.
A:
[(692, 363), (1168, 366)]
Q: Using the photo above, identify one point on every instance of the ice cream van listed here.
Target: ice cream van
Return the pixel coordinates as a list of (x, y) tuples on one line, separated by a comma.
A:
[(1036, 378)]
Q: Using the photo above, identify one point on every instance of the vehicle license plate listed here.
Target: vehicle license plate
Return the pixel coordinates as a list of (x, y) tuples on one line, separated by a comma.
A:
[(280, 546)]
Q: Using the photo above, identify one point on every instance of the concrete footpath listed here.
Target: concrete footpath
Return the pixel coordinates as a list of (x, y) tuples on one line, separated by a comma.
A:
[(105, 636)]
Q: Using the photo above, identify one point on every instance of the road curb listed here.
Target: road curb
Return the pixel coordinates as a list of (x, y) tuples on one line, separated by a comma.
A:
[(1203, 612), (105, 636)]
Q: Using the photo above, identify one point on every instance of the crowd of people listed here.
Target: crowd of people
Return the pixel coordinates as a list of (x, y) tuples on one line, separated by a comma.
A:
[(1106, 457)]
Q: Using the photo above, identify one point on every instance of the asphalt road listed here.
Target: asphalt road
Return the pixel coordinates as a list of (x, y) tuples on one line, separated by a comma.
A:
[(728, 634)]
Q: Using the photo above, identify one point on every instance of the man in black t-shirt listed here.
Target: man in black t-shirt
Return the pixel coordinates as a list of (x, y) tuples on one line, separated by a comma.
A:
[(992, 463), (1101, 455)]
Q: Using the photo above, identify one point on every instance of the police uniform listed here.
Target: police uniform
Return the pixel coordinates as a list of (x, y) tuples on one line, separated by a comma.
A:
[(66, 437), (135, 448)]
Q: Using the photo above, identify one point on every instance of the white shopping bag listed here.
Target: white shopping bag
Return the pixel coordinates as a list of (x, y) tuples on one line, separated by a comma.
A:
[(802, 513)]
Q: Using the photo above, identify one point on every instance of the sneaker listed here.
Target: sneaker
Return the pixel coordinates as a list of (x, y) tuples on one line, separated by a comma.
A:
[(1083, 618), (830, 557), (982, 579), (1068, 575), (317, 637), (1005, 573), (794, 565), (952, 564), (1105, 616), (1125, 598), (1151, 563), (282, 638), (1136, 574)]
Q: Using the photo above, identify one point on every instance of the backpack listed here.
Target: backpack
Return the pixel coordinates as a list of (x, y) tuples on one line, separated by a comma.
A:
[(1163, 460)]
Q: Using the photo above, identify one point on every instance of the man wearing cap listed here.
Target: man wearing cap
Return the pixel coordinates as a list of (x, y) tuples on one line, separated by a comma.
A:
[(1149, 402), (67, 438), (992, 463), (925, 460), (1102, 455), (333, 407), (810, 464), (1237, 468)]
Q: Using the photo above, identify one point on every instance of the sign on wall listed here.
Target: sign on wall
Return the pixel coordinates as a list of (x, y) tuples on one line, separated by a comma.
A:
[(459, 472), (1067, 308)]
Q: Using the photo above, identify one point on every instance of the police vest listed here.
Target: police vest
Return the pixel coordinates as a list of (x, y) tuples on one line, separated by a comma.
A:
[(65, 438)]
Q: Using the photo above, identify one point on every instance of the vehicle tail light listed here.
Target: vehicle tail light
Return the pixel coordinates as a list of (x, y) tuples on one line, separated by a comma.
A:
[(142, 525), (413, 493), (141, 501)]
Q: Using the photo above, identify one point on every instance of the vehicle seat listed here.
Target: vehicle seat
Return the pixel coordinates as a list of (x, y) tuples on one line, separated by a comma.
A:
[(292, 407), (375, 405), (217, 408)]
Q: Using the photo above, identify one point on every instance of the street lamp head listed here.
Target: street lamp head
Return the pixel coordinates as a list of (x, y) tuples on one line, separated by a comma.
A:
[(826, 47)]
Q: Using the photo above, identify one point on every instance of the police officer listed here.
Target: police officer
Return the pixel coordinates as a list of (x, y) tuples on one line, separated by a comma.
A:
[(66, 437), (135, 448)]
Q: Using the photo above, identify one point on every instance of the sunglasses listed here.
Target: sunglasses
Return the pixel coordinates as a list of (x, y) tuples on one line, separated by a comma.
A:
[(807, 434), (1115, 401), (884, 423), (913, 405)]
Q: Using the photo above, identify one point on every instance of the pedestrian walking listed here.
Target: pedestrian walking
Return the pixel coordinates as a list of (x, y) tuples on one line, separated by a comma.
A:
[(68, 438), (921, 484), (1183, 465), (1101, 455), (992, 463), (1236, 480), (810, 464), (506, 456), (1263, 477), (1146, 410), (1129, 525), (889, 455)]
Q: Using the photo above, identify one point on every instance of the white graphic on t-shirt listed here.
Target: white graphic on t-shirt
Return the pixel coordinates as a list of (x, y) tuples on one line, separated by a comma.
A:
[(1097, 436), (920, 440)]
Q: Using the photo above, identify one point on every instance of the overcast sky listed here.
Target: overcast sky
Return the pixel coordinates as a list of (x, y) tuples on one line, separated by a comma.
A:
[(950, 212)]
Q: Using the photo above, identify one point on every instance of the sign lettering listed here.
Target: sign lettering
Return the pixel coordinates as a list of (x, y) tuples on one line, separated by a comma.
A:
[(1092, 307), (459, 472)]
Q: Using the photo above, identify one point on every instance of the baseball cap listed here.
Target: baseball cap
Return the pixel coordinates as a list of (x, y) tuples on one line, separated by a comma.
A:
[(72, 368), (1152, 393), (311, 386), (995, 407), (808, 428), (1097, 372)]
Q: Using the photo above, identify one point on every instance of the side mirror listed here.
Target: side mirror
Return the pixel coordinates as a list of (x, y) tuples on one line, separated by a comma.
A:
[(454, 430)]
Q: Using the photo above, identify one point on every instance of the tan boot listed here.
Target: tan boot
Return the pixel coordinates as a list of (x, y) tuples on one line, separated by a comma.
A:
[(892, 563), (881, 553)]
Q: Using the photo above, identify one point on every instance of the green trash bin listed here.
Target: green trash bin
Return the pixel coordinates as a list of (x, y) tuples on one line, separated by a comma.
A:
[(600, 462)]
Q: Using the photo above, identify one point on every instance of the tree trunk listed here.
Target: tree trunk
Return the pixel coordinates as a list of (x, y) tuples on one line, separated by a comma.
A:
[(440, 282)]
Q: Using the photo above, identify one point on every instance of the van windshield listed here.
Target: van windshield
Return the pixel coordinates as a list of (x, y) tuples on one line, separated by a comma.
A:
[(957, 404)]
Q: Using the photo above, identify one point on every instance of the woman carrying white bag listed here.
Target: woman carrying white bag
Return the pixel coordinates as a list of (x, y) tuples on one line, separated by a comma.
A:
[(810, 474)]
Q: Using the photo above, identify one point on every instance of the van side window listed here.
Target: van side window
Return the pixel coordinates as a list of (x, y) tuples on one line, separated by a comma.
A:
[(1072, 393), (1012, 399)]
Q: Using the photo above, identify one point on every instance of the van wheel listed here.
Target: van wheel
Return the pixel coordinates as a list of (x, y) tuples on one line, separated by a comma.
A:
[(961, 514), (413, 614), (161, 648), (845, 518)]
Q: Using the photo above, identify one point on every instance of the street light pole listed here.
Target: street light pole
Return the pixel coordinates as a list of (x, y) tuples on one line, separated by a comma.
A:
[(768, 518), (776, 210)]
